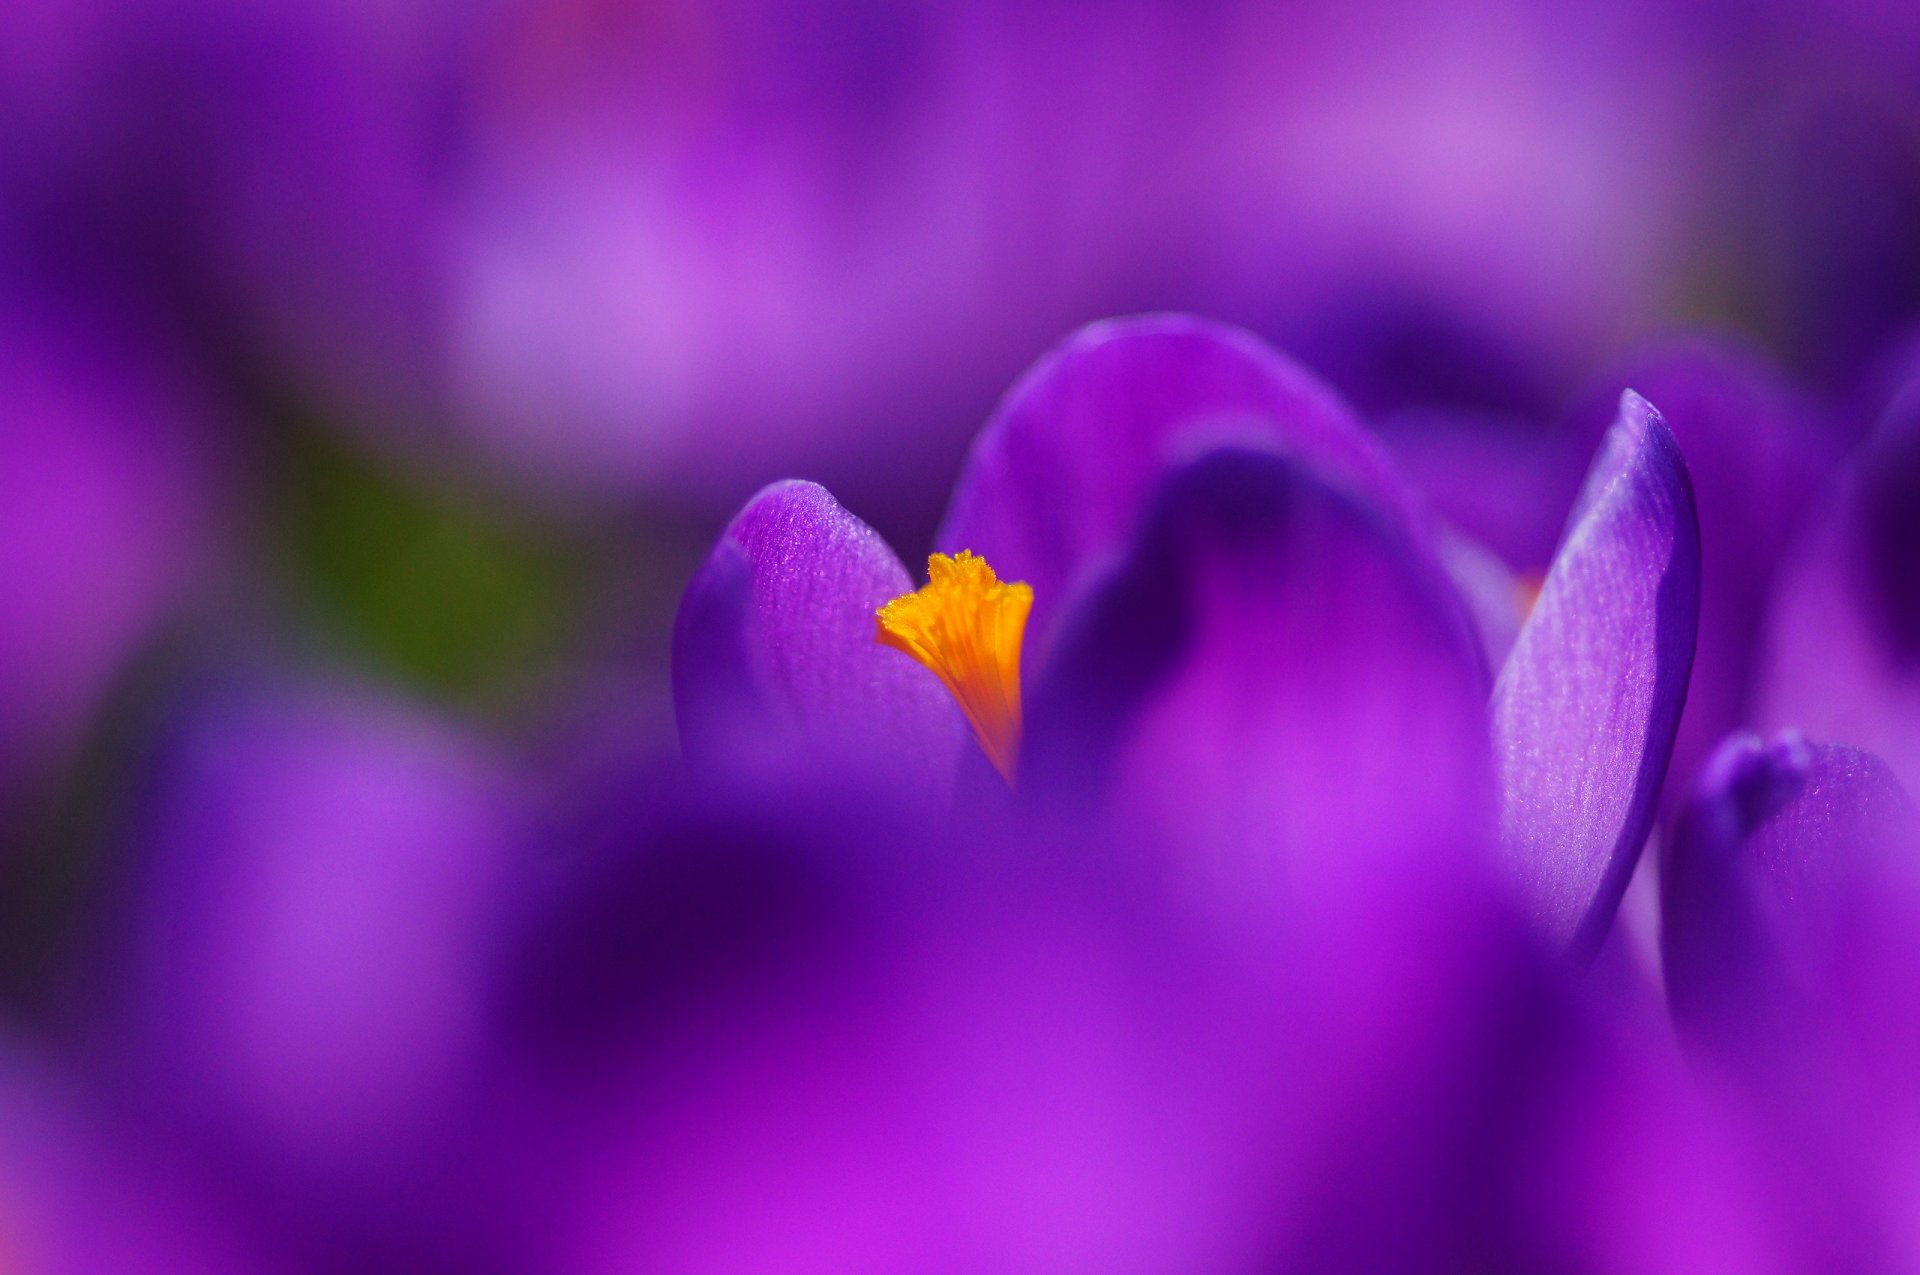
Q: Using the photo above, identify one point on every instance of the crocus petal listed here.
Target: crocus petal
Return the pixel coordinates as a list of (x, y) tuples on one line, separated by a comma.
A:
[(1585, 710), (774, 656), (1756, 453), (1767, 882), (1056, 479), (1268, 658)]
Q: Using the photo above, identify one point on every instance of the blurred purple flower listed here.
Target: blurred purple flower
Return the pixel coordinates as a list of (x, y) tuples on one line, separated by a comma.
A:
[(106, 499), (796, 1033), (584, 238), (316, 876), (82, 1194)]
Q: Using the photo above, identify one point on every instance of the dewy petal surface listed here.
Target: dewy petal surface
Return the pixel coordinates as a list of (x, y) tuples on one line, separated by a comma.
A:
[(774, 657), (1271, 683), (1056, 480), (1586, 707)]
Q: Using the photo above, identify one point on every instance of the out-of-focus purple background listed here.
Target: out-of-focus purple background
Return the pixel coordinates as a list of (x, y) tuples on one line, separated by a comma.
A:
[(373, 376)]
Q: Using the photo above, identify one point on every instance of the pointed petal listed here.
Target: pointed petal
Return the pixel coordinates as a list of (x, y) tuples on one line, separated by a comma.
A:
[(1756, 452), (1271, 683), (774, 657), (1585, 710), (1056, 480)]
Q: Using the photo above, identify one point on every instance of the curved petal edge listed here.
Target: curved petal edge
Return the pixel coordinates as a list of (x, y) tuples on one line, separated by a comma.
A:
[(1586, 708)]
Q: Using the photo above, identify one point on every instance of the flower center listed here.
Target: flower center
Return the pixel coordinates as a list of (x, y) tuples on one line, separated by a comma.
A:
[(966, 626)]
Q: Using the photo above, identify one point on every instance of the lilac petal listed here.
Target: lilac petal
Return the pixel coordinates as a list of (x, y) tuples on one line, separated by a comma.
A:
[(1585, 709), (1791, 930), (774, 656), (1756, 452), (1785, 849), (1843, 639), (1272, 680), (1057, 478)]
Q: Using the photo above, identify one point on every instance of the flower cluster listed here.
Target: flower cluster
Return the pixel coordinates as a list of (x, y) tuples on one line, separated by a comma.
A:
[(1436, 799), (1322, 824)]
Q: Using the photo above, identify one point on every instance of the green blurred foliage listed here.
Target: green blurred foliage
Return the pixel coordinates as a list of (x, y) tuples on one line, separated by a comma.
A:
[(449, 588)]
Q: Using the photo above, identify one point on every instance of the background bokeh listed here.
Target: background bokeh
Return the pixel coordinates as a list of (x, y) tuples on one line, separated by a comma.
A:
[(374, 375)]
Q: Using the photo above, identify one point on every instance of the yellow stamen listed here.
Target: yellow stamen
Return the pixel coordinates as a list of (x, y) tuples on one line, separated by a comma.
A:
[(966, 627)]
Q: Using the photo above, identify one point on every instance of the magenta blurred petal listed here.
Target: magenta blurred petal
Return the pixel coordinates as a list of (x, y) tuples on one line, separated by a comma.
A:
[(1056, 480), (88, 1196), (1268, 658), (794, 1039), (1585, 710), (775, 660)]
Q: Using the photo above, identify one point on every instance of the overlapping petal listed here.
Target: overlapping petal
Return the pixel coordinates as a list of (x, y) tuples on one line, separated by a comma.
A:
[(791, 1038), (775, 660), (1057, 479), (1270, 657), (1586, 708)]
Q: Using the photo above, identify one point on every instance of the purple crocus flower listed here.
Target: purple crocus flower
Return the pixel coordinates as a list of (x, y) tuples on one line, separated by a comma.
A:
[(1241, 633), (1757, 449)]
